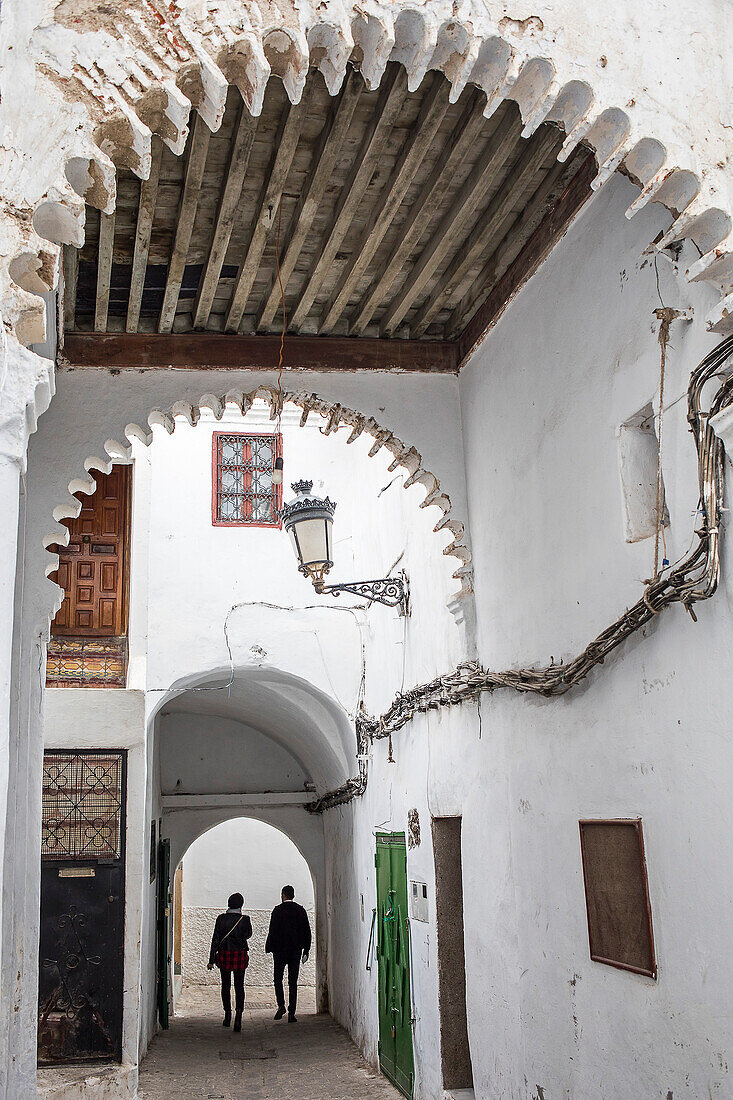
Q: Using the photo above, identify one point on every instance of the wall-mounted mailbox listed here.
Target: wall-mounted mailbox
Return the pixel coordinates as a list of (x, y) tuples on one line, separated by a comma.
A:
[(419, 900)]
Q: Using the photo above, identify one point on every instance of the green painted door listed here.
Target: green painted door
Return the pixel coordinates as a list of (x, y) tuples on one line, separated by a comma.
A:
[(393, 962)]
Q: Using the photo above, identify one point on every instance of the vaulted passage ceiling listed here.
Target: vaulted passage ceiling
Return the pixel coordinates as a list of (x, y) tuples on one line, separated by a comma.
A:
[(393, 214)]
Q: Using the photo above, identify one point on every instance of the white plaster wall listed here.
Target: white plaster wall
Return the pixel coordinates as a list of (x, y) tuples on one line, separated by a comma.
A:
[(208, 754), (574, 356), (257, 860), (571, 360), (203, 577)]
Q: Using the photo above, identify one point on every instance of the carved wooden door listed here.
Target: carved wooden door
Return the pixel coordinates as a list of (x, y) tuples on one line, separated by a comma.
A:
[(93, 567)]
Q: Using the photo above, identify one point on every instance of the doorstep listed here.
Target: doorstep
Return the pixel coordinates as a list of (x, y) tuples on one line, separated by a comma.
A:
[(459, 1094), (106, 1081)]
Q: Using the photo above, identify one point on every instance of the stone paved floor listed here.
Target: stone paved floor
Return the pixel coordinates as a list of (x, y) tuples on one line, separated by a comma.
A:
[(198, 1059)]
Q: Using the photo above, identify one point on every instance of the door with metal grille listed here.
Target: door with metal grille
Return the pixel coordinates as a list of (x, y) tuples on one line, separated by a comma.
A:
[(82, 906), (393, 960)]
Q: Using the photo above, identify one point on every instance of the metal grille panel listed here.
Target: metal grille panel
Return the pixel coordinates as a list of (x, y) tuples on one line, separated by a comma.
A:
[(82, 805), (244, 494)]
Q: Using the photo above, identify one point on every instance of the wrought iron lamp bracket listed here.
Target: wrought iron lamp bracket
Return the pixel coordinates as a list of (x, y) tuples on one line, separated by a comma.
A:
[(390, 591)]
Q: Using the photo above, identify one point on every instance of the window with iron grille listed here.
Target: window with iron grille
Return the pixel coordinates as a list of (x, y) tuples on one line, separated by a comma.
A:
[(83, 804), (243, 492)]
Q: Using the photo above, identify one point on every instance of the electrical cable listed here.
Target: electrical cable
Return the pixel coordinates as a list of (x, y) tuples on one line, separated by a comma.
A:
[(278, 422), (666, 316), (695, 578)]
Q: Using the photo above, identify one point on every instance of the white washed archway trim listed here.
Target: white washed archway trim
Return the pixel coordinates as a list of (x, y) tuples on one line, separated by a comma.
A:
[(404, 456)]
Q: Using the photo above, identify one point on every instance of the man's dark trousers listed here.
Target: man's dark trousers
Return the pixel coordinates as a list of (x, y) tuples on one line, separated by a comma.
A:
[(291, 959)]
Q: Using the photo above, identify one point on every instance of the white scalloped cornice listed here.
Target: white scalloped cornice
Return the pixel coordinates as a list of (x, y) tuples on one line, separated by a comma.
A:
[(87, 83)]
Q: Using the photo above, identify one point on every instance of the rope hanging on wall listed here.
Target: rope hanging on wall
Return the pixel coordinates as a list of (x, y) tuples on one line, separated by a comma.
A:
[(666, 316), (694, 578)]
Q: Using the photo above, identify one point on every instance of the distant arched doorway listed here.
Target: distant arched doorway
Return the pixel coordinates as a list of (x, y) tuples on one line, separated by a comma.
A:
[(246, 855)]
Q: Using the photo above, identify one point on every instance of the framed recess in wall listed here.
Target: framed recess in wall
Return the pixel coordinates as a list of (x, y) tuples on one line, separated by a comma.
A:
[(617, 895)]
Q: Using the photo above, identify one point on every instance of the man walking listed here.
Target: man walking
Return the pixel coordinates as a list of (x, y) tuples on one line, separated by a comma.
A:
[(289, 941)]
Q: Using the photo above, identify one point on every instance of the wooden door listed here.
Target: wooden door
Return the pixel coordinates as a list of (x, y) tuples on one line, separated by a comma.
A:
[(93, 568)]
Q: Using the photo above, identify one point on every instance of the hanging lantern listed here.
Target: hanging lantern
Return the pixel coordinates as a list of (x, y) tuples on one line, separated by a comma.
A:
[(308, 521)]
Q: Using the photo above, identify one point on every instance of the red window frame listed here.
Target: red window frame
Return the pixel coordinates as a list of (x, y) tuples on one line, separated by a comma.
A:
[(216, 471)]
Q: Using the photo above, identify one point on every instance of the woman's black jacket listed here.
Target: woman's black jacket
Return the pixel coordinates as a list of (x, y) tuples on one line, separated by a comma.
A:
[(236, 940)]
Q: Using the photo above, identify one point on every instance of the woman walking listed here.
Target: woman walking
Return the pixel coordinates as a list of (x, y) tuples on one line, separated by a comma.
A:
[(229, 952)]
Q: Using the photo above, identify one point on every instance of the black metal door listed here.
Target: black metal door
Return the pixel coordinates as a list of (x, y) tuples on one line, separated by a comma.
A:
[(81, 969), (163, 923)]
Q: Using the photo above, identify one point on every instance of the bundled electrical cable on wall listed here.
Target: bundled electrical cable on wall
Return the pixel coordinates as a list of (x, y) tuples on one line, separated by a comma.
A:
[(689, 581)]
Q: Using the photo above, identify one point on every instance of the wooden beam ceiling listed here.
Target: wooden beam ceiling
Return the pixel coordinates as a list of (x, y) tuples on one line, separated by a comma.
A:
[(255, 353), (286, 142), (391, 215), (429, 201), (196, 161), (552, 227), (455, 221), (143, 231), (329, 148), (365, 165), (224, 225), (431, 115), (104, 270), (456, 277)]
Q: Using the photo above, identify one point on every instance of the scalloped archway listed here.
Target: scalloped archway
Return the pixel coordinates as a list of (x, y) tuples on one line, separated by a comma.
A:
[(335, 416)]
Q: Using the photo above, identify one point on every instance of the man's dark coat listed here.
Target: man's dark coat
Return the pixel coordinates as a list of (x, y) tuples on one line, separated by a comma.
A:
[(290, 930)]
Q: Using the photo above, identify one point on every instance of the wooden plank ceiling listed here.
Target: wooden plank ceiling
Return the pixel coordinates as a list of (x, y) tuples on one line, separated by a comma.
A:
[(393, 214)]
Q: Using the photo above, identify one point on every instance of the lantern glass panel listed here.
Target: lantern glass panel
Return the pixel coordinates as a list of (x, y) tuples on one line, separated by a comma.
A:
[(311, 539)]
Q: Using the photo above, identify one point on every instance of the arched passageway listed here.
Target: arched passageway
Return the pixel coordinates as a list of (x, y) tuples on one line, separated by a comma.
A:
[(268, 1059), (530, 380), (244, 683), (254, 742), (245, 855)]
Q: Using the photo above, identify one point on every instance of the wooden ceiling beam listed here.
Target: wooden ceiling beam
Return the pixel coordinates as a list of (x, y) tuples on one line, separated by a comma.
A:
[(286, 143), (324, 160), (554, 224), (71, 273), (449, 234), (462, 140), (196, 351), (506, 250), (143, 233), (390, 101), (198, 148), (432, 113), (226, 214), (491, 226), (104, 270)]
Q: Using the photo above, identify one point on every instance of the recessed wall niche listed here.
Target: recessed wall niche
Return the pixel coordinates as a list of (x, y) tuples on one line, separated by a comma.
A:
[(638, 455)]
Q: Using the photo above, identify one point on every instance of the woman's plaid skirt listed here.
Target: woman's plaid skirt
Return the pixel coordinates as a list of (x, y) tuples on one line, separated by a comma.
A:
[(229, 958)]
